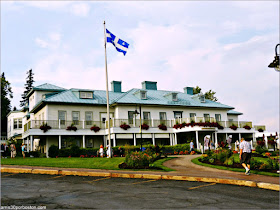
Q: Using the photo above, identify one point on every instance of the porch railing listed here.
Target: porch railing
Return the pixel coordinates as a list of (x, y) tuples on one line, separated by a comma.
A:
[(62, 124)]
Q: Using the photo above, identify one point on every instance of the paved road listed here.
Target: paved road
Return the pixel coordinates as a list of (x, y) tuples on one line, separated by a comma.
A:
[(73, 192)]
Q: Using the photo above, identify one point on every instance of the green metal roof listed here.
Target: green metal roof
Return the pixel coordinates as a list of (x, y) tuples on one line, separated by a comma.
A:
[(234, 112), (154, 97), (46, 87)]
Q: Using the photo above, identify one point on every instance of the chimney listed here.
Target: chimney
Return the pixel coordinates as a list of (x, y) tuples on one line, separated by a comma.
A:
[(116, 86), (188, 90), (148, 85)]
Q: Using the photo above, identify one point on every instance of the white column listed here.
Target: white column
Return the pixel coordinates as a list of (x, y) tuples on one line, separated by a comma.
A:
[(28, 144), (134, 139), (31, 139), (175, 140), (170, 137), (83, 124), (114, 140), (152, 123), (134, 122), (154, 141), (195, 119), (113, 122), (196, 138), (239, 137), (170, 123), (84, 141), (47, 147), (59, 124), (226, 124), (59, 142), (216, 139)]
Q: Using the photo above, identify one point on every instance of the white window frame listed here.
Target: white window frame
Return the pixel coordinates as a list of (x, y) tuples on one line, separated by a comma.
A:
[(62, 122), (86, 95)]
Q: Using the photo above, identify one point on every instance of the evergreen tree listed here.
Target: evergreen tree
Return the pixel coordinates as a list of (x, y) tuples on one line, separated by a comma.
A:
[(28, 86), (208, 95), (6, 96)]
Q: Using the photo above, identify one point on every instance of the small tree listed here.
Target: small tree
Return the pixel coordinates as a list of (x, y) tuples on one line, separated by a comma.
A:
[(6, 96), (28, 86), (208, 95)]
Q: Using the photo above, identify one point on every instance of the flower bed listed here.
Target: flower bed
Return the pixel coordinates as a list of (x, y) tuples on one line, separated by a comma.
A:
[(71, 128)]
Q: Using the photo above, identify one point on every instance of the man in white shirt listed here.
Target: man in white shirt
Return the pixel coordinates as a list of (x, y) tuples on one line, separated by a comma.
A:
[(245, 155), (191, 146)]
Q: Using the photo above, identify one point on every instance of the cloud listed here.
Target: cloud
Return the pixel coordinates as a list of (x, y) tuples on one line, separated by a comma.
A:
[(51, 42), (80, 9)]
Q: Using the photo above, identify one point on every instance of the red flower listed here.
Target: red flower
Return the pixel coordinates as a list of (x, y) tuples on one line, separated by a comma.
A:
[(145, 126), (95, 128), (125, 126), (162, 127), (69, 156)]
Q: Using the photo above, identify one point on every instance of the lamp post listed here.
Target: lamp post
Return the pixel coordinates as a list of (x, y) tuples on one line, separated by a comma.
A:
[(275, 63), (136, 113)]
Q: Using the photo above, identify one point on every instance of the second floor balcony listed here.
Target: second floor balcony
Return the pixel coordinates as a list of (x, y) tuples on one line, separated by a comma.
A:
[(133, 123)]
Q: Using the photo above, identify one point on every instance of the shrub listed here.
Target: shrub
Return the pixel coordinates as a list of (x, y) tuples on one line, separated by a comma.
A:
[(53, 151), (260, 149), (261, 143), (255, 164), (75, 151), (139, 159)]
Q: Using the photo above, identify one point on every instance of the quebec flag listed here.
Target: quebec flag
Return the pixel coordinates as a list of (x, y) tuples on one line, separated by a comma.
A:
[(119, 44)]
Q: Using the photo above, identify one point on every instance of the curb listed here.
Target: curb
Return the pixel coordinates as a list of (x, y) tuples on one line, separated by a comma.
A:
[(261, 185)]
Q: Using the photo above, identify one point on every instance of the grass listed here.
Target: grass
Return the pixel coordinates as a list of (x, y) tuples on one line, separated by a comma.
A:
[(76, 162), (196, 161), (73, 162), (159, 164)]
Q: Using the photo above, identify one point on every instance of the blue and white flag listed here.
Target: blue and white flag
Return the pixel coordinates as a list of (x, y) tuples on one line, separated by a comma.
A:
[(120, 45)]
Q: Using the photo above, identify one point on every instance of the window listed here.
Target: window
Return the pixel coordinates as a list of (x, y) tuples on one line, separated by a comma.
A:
[(192, 116), (202, 98), (143, 94), (86, 95), (218, 117), (162, 117), (174, 97), (88, 117), (62, 117), (130, 117), (75, 117), (146, 117), (206, 117), (177, 114), (17, 123)]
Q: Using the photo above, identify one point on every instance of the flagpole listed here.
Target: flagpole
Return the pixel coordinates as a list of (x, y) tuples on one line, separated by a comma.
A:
[(107, 94)]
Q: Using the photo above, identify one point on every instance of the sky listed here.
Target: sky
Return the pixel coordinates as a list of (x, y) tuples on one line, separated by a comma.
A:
[(224, 46)]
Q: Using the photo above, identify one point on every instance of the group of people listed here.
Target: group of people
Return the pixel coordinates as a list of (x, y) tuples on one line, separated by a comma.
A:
[(108, 150), (13, 150)]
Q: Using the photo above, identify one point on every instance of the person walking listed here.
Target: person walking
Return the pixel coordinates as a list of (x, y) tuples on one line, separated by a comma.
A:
[(101, 151), (229, 141), (245, 155), (23, 149), (191, 146), (13, 151)]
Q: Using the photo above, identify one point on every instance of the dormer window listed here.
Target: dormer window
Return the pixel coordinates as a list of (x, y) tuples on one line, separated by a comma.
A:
[(202, 98), (174, 97), (143, 94), (86, 95)]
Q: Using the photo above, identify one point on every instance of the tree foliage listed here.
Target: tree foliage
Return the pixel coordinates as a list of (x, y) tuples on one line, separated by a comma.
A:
[(6, 96), (208, 95), (28, 86)]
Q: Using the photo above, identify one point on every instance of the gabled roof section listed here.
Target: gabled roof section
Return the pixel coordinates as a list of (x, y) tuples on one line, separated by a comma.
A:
[(46, 87), (234, 112)]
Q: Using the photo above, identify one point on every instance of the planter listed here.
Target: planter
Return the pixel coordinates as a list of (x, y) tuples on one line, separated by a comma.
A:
[(260, 130), (125, 126), (45, 128), (71, 128), (162, 127), (95, 128), (145, 126), (233, 127), (247, 127)]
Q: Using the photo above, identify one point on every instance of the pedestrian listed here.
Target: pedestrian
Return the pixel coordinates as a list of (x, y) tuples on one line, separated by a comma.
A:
[(245, 155), (237, 145), (120, 151), (212, 145), (13, 151), (206, 142), (109, 151), (191, 146), (229, 141), (23, 150), (101, 151)]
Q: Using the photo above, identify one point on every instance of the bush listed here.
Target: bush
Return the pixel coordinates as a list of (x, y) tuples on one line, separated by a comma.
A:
[(260, 149), (75, 151), (255, 164), (33, 154), (53, 151), (139, 159)]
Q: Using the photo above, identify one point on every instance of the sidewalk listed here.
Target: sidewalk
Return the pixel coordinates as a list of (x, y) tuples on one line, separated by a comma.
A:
[(185, 170)]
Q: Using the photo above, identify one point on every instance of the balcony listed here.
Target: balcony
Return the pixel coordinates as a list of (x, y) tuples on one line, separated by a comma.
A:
[(134, 123)]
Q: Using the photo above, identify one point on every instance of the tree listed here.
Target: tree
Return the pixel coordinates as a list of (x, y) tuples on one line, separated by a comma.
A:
[(6, 96), (208, 95), (28, 86)]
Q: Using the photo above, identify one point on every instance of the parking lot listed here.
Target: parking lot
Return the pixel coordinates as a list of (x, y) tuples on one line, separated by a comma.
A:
[(74, 192)]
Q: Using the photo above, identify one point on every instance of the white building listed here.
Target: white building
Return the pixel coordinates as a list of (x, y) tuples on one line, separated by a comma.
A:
[(83, 108)]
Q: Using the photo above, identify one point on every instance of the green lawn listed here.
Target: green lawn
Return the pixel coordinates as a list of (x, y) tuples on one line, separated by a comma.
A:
[(92, 163), (76, 162), (196, 161)]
